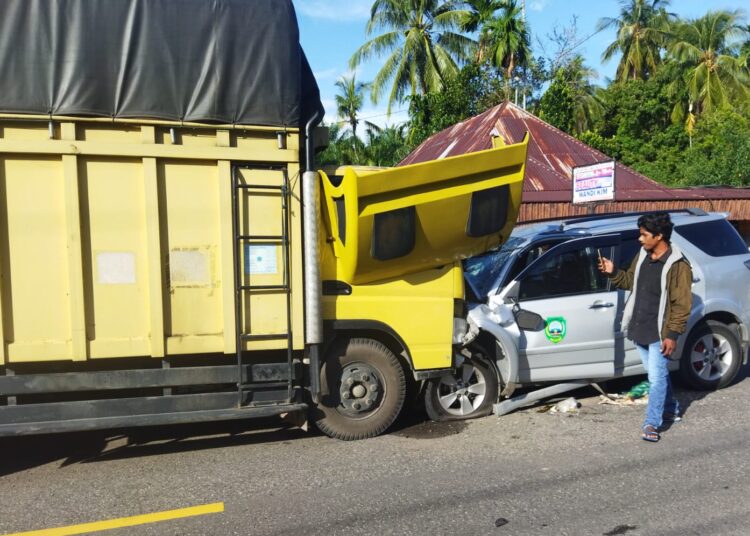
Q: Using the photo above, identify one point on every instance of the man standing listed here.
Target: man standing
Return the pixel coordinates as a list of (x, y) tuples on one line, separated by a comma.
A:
[(656, 312)]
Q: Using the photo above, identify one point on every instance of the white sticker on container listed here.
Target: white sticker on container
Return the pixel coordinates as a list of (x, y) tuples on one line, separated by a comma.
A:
[(260, 259), (115, 268), (189, 267)]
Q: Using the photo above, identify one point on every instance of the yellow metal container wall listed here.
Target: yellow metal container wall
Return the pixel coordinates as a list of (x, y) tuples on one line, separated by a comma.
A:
[(117, 242)]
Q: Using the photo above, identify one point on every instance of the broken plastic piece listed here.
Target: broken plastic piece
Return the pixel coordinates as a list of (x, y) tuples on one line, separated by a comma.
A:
[(569, 405)]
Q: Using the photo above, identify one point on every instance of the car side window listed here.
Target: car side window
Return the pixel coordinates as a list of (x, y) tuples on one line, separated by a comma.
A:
[(629, 248), (564, 274), (527, 257)]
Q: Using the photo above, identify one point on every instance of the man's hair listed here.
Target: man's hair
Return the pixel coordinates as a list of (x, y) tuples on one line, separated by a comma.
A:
[(657, 223)]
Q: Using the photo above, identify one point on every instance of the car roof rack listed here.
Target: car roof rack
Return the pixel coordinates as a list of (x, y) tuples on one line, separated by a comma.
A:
[(610, 215)]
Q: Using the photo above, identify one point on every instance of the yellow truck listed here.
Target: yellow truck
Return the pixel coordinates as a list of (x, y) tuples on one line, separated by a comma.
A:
[(168, 253)]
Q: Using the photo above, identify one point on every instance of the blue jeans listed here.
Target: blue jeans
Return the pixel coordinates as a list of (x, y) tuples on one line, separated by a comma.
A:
[(660, 399)]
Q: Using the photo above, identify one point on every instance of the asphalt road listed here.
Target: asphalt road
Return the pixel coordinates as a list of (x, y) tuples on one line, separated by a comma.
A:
[(542, 473)]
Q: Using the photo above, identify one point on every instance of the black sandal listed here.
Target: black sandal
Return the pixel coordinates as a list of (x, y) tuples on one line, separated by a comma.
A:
[(650, 434)]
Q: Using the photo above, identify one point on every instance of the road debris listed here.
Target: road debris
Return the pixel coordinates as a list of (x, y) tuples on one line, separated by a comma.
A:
[(569, 405), (617, 399), (638, 391)]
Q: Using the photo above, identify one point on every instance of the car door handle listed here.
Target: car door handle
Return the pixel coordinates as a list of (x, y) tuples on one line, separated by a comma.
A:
[(601, 305)]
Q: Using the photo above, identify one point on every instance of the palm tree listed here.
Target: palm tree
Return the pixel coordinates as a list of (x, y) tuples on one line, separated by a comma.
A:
[(479, 13), (572, 102), (642, 28), (508, 39), (745, 50), (708, 49), (349, 100), (587, 101), (423, 50)]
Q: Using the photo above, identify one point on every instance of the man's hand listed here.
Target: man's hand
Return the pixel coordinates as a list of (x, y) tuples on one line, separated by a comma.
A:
[(667, 347), (606, 266)]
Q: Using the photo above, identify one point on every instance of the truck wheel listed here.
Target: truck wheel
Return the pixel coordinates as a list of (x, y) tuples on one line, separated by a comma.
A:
[(465, 394), (362, 390), (711, 357)]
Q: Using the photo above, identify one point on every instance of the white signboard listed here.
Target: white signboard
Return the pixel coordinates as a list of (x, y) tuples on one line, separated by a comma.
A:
[(595, 182)]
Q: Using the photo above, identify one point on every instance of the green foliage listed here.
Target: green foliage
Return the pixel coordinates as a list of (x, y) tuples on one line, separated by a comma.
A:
[(386, 146), (343, 148), (571, 103), (635, 126), (556, 105), (721, 151)]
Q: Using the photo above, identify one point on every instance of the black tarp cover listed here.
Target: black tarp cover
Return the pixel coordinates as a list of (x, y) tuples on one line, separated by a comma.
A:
[(218, 61)]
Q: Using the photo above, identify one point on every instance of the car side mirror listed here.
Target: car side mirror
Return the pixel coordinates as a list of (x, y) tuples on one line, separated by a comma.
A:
[(529, 321)]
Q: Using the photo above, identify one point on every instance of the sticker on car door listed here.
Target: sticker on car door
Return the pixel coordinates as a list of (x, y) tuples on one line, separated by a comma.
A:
[(556, 329)]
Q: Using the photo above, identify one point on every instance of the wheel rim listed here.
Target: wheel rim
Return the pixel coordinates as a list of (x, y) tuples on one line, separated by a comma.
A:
[(711, 357), (361, 390), (463, 393)]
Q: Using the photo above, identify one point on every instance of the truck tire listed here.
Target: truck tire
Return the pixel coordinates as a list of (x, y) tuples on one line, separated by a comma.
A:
[(465, 394), (711, 357), (362, 390)]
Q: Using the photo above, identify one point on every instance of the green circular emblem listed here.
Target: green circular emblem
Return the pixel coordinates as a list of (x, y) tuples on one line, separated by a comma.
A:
[(556, 329)]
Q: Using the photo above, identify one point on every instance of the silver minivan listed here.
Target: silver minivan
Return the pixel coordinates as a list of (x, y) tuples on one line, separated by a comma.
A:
[(540, 311)]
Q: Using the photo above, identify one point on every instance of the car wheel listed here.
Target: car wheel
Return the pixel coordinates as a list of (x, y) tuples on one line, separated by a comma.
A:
[(465, 394), (711, 357), (362, 390)]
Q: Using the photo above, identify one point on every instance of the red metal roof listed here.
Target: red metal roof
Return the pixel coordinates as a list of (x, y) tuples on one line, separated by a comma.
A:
[(552, 155)]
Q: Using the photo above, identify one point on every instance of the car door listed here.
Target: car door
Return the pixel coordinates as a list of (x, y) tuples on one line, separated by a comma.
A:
[(579, 305)]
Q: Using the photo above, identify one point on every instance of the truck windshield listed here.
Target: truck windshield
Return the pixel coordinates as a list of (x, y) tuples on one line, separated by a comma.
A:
[(482, 271)]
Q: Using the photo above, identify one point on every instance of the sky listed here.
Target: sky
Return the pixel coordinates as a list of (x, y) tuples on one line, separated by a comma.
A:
[(331, 30)]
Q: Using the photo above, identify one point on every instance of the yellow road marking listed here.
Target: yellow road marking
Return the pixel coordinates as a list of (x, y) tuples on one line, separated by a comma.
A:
[(213, 508)]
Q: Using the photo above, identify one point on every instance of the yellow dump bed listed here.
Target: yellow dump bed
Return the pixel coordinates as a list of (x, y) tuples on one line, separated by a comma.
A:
[(388, 223)]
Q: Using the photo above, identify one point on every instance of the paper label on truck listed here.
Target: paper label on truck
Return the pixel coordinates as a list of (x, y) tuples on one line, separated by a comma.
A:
[(260, 259), (115, 268), (189, 267)]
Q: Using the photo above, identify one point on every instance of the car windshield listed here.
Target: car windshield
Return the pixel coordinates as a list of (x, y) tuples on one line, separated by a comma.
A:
[(482, 271)]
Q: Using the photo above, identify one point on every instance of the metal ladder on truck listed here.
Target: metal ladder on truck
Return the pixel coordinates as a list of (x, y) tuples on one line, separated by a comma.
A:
[(258, 383)]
